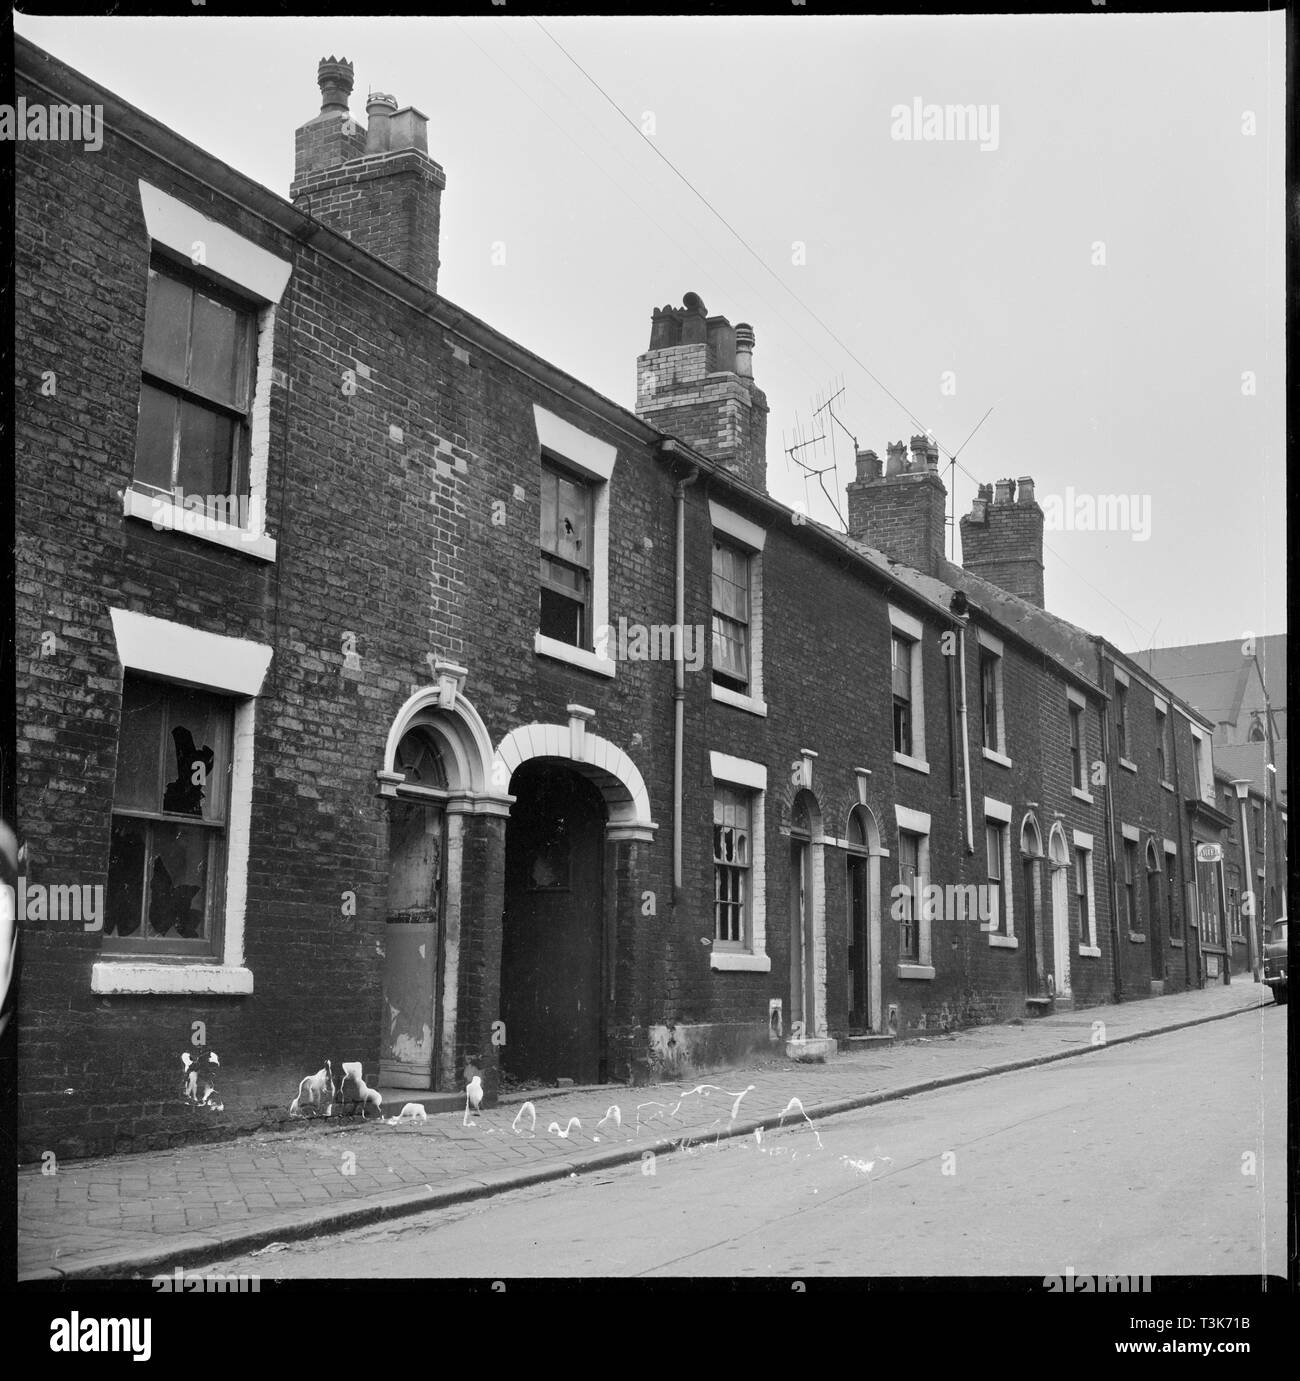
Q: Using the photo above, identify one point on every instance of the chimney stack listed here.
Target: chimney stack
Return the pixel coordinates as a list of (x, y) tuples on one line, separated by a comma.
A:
[(376, 185), (696, 382), (1002, 538), (902, 512)]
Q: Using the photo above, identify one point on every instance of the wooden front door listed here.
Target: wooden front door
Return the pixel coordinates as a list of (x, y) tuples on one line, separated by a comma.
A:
[(411, 943), (553, 928)]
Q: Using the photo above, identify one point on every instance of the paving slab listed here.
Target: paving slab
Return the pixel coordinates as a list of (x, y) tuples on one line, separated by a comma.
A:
[(135, 1215)]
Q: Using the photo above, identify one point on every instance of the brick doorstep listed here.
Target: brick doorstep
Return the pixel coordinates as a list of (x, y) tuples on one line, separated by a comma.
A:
[(135, 1251)]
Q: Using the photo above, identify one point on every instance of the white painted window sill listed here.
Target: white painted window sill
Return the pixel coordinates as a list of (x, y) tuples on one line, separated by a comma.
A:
[(1136, 937), (1127, 765), (916, 971), (992, 755), (1081, 795), (575, 656), (724, 960), (1090, 951), (1168, 786), (161, 512), (724, 695), (1004, 941), (916, 764), (129, 976)]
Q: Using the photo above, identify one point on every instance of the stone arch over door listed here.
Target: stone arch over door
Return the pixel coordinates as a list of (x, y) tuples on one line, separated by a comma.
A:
[(574, 864), (807, 914), (1031, 854), (1058, 855), (863, 852), (1155, 926), (613, 773), (441, 717)]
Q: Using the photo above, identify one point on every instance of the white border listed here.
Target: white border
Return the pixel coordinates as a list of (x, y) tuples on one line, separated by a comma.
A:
[(733, 525), (190, 656), (753, 775), (596, 458), (917, 822), (1091, 950), (181, 228)]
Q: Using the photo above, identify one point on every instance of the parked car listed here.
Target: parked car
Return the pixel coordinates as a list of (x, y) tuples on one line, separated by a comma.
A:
[(1275, 959)]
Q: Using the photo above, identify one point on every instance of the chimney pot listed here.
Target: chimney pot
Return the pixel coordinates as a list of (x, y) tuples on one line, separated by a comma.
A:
[(1025, 494), (897, 461), (334, 77), (744, 350), (695, 320), (1005, 490), (868, 466), (379, 110)]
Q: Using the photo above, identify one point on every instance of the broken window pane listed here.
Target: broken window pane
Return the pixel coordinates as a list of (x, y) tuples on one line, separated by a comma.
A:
[(179, 868), (124, 896)]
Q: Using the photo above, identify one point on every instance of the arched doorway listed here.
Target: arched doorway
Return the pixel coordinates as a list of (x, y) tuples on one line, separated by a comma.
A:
[(580, 810), (1031, 854), (552, 943), (862, 847), (1059, 859), (435, 777), (807, 918), (1155, 930)]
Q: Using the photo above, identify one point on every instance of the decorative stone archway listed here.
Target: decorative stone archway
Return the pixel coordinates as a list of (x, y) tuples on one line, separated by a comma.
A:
[(807, 915), (572, 901), (1058, 854), (1031, 854), (864, 851), (614, 774), (474, 812)]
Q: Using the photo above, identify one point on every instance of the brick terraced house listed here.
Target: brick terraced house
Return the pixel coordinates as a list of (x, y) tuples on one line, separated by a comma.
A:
[(402, 699)]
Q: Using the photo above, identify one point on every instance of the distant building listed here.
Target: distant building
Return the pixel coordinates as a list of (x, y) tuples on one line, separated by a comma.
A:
[(1226, 682)]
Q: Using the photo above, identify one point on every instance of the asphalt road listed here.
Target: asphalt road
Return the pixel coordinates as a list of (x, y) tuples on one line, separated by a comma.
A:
[(1163, 1156)]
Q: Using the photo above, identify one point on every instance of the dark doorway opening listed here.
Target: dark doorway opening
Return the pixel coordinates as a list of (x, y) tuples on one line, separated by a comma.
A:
[(553, 927)]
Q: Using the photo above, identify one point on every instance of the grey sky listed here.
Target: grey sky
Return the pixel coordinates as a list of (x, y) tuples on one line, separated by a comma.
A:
[(922, 256)]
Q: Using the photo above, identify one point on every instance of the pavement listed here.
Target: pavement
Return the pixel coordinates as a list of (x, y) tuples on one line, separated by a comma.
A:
[(137, 1215)]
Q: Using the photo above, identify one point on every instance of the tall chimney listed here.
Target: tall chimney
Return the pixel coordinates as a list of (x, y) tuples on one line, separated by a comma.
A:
[(901, 513), (1002, 538), (378, 186), (696, 382)]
